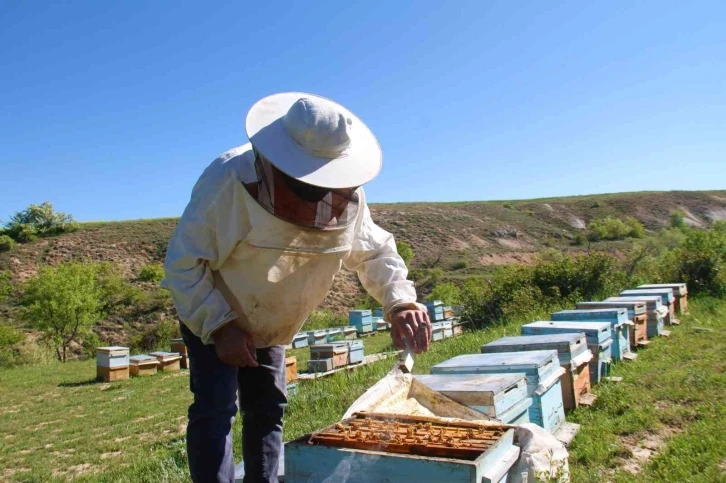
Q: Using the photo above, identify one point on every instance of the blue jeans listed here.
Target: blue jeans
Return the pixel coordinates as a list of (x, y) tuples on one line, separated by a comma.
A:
[(262, 397)]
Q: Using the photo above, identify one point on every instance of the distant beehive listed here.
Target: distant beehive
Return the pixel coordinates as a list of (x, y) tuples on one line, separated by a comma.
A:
[(655, 310), (680, 291), (178, 345), (143, 365), (636, 313), (290, 369), (362, 320), (168, 361), (619, 323), (112, 363)]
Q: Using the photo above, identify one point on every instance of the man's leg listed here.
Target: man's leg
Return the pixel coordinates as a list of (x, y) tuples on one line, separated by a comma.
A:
[(263, 397), (209, 438)]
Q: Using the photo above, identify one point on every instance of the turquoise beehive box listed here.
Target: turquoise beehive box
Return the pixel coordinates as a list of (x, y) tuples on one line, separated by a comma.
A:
[(300, 340), (667, 300), (362, 320), (619, 322), (499, 396), (599, 339), (543, 372), (655, 309)]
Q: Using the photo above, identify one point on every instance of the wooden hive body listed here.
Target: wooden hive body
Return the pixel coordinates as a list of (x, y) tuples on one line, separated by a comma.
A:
[(337, 352), (599, 340), (543, 372), (290, 369), (355, 350), (572, 351), (300, 340), (656, 323), (168, 361), (636, 312), (618, 319), (112, 363), (500, 396), (680, 291), (305, 462), (143, 365)]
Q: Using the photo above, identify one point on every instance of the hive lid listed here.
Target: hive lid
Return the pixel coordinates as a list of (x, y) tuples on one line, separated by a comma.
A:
[(542, 362), (113, 350), (141, 359), (474, 389), (301, 335), (335, 348), (177, 341), (164, 354), (635, 306), (614, 314), (678, 288), (653, 302), (665, 293), (594, 331), (569, 343), (360, 312)]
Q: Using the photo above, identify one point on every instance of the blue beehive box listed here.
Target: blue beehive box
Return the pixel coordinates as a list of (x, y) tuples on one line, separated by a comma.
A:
[(437, 331), (668, 300), (334, 334), (316, 337), (362, 320), (378, 313), (448, 326), (300, 340), (543, 379), (355, 350), (436, 310), (499, 396), (619, 322), (599, 340), (656, 312), (572, 351)]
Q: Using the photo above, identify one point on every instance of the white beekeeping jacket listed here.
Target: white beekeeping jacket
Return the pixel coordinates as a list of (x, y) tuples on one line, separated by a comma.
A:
[(229, 258)]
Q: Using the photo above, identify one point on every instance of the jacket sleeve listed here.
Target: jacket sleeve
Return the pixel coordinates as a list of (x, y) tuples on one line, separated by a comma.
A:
[(380, 268), (206, 234)]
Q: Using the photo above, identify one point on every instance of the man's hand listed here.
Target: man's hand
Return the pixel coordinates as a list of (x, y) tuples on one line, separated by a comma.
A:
[(411, 328), (234, 346)]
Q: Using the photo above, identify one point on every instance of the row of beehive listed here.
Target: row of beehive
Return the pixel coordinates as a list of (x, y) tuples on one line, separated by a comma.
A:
[(551, 367), (114, 363)]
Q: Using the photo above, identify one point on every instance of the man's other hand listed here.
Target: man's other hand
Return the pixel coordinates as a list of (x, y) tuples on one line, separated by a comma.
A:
[(411, 328), (234, 346)]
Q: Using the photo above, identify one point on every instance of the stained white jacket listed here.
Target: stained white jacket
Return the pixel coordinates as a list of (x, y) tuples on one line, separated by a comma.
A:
[(230, 259)]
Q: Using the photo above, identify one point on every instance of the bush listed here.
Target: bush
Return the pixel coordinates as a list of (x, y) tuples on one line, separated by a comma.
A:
[(6, 243), (39, 220), (435, 274), (405, 251), (64, 302), (6, 287), (156, 336), (460, 265), (9, 341), (153, 272), (447, 292), (678, 220), (610, 228), (701, 261)]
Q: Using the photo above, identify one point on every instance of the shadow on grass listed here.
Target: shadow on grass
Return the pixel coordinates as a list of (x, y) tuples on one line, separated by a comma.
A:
[(87, 382)]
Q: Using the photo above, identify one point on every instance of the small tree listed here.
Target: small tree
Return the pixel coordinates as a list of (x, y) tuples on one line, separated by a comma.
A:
[(39, 220), (678, 220), (64, 302), (6, 243), (447, 292), (406, 252)]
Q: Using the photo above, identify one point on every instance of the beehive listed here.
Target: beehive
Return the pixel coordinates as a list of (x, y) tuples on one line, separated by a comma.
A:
[(448, 312), (290, 369), (112, 363), (378, 313), (334, 334), (320, 365), (337, 352), (458, 327), (168, 361), (374, 447), (143, 365), (317, 337), (362, 320), (499, 396), (637, 314), (543, 379), (448, 326), (619, 322), (655, 310), (574, 356), (599, 340), (437, 331), (178, 345), (680, 291), (436, 310), (667, 299), (381, 325), (355, 350), (350, 333), (300, 340)]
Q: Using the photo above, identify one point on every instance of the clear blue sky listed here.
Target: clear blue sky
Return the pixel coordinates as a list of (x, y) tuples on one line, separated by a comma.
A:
[(111, 110)]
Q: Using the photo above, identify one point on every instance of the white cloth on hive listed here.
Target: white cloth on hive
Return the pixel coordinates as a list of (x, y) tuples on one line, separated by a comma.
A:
[(542, 457)]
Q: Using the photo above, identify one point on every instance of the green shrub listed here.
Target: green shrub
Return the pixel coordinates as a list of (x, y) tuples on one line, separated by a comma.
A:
[(508, 206), (6, 287), (435, 274), (405, 251), (6, 243), (156, 336), (610, 228), (460, 265), (701, 261), (153, 272), (64, 302), (39, 220), (447, 292), (9, 350), (678, 220)]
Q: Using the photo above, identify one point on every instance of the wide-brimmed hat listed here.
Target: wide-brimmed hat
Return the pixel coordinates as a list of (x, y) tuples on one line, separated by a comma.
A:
[(314, 140)]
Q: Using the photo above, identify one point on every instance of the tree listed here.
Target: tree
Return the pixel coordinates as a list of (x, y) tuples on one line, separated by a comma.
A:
[(64, 302), (678, 220), (38, 220), (406, 252)]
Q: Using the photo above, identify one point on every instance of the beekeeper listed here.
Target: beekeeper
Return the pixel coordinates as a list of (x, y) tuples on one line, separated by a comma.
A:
[(268, 226)]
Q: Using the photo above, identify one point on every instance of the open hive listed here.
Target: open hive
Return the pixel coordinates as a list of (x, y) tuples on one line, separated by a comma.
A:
[(410, 435)]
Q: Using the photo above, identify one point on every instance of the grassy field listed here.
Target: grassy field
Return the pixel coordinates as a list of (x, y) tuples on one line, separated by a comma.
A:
[(666, 420)]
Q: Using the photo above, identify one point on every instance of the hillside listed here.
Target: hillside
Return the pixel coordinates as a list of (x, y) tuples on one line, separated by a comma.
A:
[(471, 236)]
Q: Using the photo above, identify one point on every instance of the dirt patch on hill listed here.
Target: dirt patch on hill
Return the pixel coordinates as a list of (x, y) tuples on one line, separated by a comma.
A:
[(513, 243), (508, 258)]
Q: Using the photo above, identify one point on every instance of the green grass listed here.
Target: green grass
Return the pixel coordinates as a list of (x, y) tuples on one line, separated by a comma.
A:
[(56, 424)]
